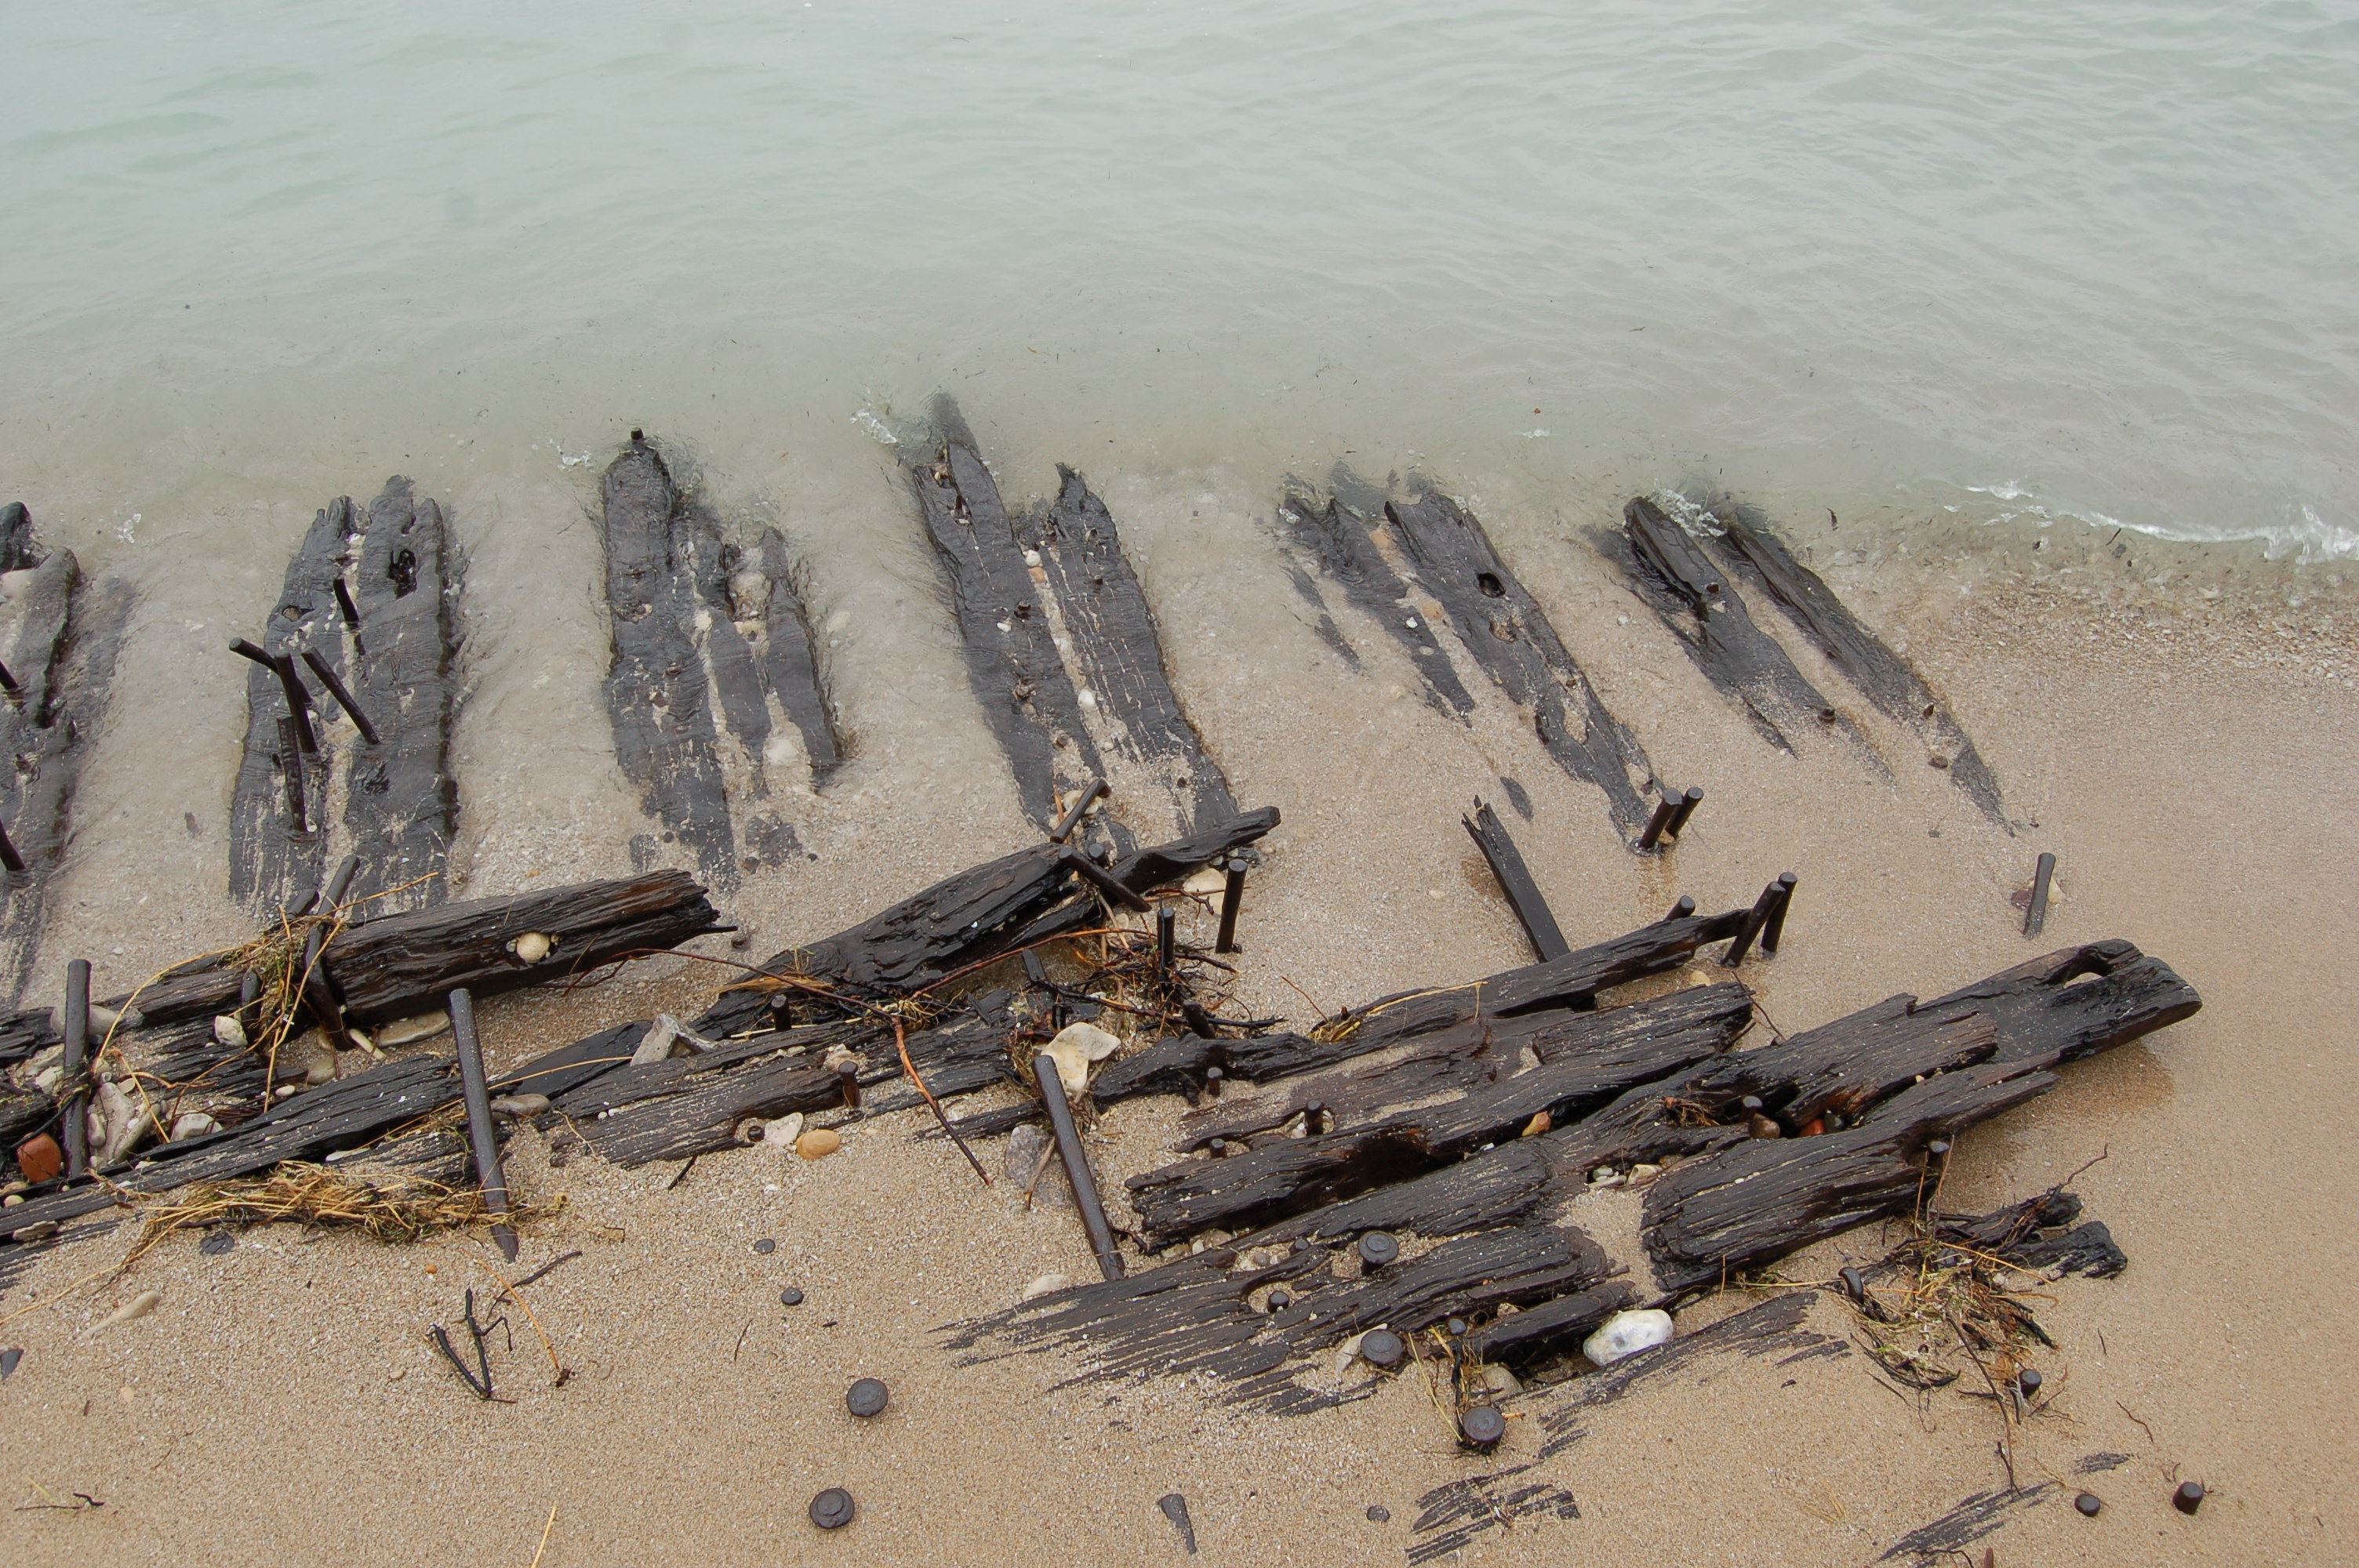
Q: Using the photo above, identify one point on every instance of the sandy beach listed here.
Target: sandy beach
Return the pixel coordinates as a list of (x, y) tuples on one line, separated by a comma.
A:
[(2174, 724)]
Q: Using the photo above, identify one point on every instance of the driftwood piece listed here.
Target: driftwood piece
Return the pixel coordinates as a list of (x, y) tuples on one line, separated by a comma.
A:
[(406, 964), (965, 919), (2038, 1233), (1510, 636), (1288, 1175), (1515, 879), (658, 687), (1336, 540), (1747, 546), (1116, 652), (58, 637), (790, 665), (401, 801), (1477, 1052), (274, 860), (1028, 697), (1708, 616)]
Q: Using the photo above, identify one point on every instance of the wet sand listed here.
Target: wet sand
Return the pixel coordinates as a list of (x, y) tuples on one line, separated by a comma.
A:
[(2187, 762)]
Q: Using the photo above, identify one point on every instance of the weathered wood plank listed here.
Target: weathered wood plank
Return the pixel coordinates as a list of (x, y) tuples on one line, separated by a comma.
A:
[(1514, 880), (1708, 616), (401, 802), (1117, 654), (1511, 637), (1745, 544), (790, 662), (1335, 539), (658, 692), (1028, 696), (275, 861)]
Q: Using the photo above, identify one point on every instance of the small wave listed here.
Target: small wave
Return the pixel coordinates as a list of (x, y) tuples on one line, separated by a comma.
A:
[(2306, 538)]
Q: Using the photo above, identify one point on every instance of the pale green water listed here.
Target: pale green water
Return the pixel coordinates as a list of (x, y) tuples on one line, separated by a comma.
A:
[(2095, 259)]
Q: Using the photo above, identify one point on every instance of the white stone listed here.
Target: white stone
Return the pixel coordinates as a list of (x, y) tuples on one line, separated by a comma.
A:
[(1075, 1047), (656, 1044), (1046, 1284), (410, 1030), (1626, 1333), (229, 1033), (193, 1124), (519, 1105), (780, 1135), (532, 947)]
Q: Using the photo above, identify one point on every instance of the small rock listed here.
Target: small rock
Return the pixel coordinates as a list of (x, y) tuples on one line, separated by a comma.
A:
[(40, 1158), (2088, 1503), (1501, 1381), (831, 1510), (39, 1230), (1641, 1173), (791, 1297), (519, 1105), (138, 1306), (866, 1398), (8, 1359), (766, 1246), (1539, 1124), (217, 1242), (410, 1030), (192, 1124), (1048, 1285), (1626, 1333), (818, 1143), (229, 1033), (14, 1200), (396, 1375), (532, 947), (781, 1134), (656, 1044), (1075, 1047), (1379, 1514), (1762, 1127)]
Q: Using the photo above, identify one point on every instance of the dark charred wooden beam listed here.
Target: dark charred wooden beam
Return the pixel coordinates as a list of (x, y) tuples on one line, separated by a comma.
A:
[(790, 662), (1694, 598), (1749, 548), (61, 635), (1515, 879), (658, 689), (1336, 540), (401, 800), (273, 861), (404, 964), (1117, 654), (1028, 697), (963, 920), (1511, 637)]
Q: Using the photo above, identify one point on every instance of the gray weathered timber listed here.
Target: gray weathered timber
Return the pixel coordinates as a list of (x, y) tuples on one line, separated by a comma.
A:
[(1118, 652), (659, 690), (275, 862), (790, 665), (401, 800), (1694, 598), (1335, 537), (1028, 696), (1747, 546), (1511, 637), (58, 635)]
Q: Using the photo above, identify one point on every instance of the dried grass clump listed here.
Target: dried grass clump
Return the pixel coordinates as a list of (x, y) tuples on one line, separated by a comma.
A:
[(407, 1209)]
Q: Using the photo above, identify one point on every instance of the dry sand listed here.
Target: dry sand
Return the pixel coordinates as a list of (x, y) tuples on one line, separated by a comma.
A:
[(2188, 763)]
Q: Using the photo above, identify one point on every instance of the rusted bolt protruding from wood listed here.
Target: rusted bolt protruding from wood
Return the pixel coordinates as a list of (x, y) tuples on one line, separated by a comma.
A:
[(1213, 1077), (1378, 1248), (1774, 931), (1688, 803), (848, 1072), (2189, 1497), (1314, 1118), (1278, 1301), (1167, 941), (1481, 1428), (2028, 1380), (1681, 910), (1233, 898), (1664, 809), (1382, 1348), (831, 1510)]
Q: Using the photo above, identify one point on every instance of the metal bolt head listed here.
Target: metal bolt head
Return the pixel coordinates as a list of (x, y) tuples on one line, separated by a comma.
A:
[(1279, 1301), (2028, 1380), (1482, 1427), (831, 1510), (791, 1297), (1382, 1348), (2088, 1503), (2189, 1497), (867, 1398), (1378, 1248)]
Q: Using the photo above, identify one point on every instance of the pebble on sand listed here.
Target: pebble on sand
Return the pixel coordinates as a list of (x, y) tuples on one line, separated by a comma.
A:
[(818, 1143), (1626, 1333)]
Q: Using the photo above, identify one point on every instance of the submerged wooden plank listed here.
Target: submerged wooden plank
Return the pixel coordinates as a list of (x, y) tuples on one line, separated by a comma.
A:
[(401, 801), (1511, 637), (1335, 537), (1694, 598), (1028, 697), (790, 663), (1746, 544), (1515, 879), (274, 860), (1116, 652), (658, 691), (61, 635)]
